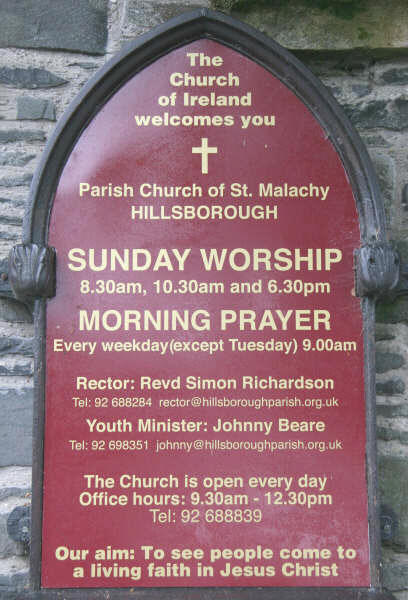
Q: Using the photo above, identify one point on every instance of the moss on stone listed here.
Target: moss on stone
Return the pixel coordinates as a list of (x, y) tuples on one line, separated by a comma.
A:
[(344, 9)]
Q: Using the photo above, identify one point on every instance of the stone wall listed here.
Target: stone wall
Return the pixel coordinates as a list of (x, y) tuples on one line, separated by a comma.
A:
[(50, 48)]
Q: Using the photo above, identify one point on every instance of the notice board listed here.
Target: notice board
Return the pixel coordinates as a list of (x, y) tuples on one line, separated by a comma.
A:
[(204, 380)]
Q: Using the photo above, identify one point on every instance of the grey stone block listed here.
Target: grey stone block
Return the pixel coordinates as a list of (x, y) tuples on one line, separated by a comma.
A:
[(396, 311), (88, 66), (361, 89), (383, 332), (392, 411), (377, 141), (5, 288), (389, 434), (14, 492), (16, 345), (380, 113), (14, 576), (9, 220), (21, 135), (386, 361), (398, 76), (386, 172), (23, 369), (16, 180), (10, 236), (16, 202), (336, 90), (15, 159), (392, 312), (326, 24), (404, 197), (398, 109), (395, 576), (368, 115), (13, 311), (147, 14), (35, 108), (31, 78), (15, 482), (16, 426), (390, 387), (393, 486), (9, 547), (78, 25)]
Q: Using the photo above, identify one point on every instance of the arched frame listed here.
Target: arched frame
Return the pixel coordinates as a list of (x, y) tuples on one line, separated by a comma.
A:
[(133, 58)]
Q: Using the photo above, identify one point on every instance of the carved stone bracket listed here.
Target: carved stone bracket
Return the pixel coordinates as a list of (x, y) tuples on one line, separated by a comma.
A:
[(32, 271), (377, 269)]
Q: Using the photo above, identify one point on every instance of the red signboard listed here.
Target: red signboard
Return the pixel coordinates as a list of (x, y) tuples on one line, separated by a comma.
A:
[(205, 420)]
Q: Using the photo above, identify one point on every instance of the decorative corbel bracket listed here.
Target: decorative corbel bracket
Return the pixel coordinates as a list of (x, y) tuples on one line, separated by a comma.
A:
[(32, 272), (377, 271)]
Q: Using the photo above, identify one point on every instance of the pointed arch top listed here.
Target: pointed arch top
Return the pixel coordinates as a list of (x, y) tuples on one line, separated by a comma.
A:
[(242, 38)]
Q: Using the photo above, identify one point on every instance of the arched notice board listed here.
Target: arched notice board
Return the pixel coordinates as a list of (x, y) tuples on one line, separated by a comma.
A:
[(205, 396)]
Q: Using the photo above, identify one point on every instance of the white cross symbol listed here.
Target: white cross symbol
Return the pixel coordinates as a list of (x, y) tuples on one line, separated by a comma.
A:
[(204, 150)]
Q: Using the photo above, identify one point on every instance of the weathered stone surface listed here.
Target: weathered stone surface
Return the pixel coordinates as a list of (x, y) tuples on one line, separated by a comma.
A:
[(78, 25), (16, 202), (16, 370), (15, 482), (15, 159), (317, 25), (393, 486), (404, 197), (389, 433), (361, 89), (385, 361), (35, 108), (332, 69), (402, 247), (395, 76), (390, 387), (8, 547), (16, 180), (21, 135), (392, 411), (380, 113), (14, 576), (13, 311), (16, 408), (386, 172), (367, 115), (11, 220), (5, 288), (16, 345), (30, 79), (395, 311), (147, 14), (336, 90), (377, 141), (11, 236), (398, 110), (392, 312), (89, 66), (383, 332), (395, 576)]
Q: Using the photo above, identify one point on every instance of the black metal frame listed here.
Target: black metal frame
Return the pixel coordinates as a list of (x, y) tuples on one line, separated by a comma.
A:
[(275, 59)]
